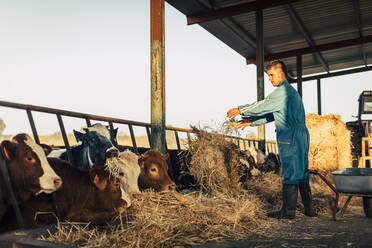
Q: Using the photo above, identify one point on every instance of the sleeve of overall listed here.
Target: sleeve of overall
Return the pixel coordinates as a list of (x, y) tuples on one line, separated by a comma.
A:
[(261, 120), (274, 102)]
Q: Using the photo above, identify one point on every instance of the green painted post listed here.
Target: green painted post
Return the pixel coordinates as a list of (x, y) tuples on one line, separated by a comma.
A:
[(157, 76)]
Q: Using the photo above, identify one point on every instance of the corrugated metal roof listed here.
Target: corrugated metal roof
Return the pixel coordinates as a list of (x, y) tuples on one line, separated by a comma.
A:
[(326, 22)]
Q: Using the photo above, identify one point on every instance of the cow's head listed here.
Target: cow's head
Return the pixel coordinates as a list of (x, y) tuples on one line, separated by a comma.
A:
[(110, 195), (96, 142), (258, 156), (29, 169), (154, 172), (127, 170)]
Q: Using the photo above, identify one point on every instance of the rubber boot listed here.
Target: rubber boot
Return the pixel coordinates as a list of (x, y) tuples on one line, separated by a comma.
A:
[(307, 200), (288, 210)]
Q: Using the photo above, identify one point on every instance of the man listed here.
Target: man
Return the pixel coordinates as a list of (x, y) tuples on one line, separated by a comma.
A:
[(285, 107)]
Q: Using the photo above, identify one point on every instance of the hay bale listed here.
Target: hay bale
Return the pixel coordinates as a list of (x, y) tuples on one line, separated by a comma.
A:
[(330, 145), (214, 163), (167, 220)]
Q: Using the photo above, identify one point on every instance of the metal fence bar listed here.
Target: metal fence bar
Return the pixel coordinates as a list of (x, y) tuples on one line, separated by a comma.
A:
[(148, 135), (87, 120), (177, 140), (111, 125), (188, 138), (33, 127), (65, 139), (133, 138), (271, 146)]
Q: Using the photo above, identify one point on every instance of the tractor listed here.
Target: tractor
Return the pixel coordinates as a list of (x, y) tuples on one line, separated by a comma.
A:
[(362, 128)]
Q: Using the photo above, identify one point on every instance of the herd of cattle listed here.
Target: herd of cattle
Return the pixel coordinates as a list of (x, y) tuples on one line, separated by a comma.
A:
[(102, 181)]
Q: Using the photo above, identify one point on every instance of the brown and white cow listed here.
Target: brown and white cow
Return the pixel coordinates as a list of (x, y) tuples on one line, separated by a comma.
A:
[(86, 195), (154, 172), (127, 170), (29, 171)]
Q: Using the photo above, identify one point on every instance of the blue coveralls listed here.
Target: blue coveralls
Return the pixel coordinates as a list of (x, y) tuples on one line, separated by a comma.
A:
[(285, 106)]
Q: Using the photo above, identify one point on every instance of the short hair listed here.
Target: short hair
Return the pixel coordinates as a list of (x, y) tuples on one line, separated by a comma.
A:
[(274, 63)]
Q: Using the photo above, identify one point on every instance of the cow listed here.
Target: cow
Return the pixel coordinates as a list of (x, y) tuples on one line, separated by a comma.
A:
[(86, 196), (127, 170), (95, 148), (29, 171), (154, 172)]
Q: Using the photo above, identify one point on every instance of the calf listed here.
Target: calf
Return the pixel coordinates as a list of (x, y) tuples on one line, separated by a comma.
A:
[(95, 148), (86, 195), (154, 172), (127, 170), (29, 171)]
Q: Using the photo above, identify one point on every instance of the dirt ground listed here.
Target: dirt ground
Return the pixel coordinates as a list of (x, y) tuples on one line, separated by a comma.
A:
[(353, 230)]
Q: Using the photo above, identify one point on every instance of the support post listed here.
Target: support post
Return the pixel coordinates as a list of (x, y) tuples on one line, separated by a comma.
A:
[(299, 74), (260, 72), (319, 93), (157, 76)]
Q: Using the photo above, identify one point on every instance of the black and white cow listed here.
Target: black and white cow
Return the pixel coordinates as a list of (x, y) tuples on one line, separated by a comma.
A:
[(96, 146)]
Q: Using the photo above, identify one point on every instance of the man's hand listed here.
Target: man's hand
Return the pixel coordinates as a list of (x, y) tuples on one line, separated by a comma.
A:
[(244, 123), (232, 113)]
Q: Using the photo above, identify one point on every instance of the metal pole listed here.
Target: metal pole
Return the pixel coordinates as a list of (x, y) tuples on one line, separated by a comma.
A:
[(260, 71), (33, 127), (299, 74), (319, 90), (157, 76)]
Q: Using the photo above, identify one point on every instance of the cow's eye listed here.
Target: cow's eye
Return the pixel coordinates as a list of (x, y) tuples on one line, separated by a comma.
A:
[(153, 169), (121, 174), (30, 158)]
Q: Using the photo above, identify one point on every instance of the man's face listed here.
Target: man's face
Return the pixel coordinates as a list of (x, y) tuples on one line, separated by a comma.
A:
[(276, 75)]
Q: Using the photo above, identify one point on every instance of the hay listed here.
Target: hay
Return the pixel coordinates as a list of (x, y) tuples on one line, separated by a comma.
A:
[(167, 220), (214, 163), (330, 145)]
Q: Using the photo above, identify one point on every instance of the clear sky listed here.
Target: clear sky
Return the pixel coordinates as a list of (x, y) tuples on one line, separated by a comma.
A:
[(93, 56)]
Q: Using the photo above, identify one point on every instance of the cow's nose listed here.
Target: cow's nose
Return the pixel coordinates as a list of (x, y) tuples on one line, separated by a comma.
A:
[(172, 187), (136, 195), (112, 153), (57, 183)]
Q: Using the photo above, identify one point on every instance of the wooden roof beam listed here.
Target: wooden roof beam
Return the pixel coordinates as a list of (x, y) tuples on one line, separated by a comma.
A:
[(231, 24), (358, 18), (317, 48), (300, 25), (334, 74), (235, 10)]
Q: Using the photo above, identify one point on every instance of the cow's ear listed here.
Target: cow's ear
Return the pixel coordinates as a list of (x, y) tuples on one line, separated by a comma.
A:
[(78, 136), (8, 149), (141, 161), (47, 149), (165, 156), (97, 177), (114, 132)]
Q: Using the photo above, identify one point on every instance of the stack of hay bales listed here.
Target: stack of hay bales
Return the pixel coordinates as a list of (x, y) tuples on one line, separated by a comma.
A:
[(330, 145)]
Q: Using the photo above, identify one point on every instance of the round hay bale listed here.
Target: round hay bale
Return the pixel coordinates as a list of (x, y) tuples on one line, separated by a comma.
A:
[(330, 145)]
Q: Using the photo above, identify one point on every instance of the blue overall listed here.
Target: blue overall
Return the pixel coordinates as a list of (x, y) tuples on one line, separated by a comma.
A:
[(285, 107)]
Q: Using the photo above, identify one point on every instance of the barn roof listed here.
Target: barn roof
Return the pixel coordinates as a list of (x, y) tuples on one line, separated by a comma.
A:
[(330, 35)]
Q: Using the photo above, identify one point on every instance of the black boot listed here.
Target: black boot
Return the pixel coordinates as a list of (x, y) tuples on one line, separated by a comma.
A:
[(288, 210), (307, 200)]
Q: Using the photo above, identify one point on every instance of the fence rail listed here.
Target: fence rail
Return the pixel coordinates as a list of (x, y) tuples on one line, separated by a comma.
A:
[(243, 143)]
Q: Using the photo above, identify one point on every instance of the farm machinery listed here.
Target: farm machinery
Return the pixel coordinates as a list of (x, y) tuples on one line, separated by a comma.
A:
[(361, 132)]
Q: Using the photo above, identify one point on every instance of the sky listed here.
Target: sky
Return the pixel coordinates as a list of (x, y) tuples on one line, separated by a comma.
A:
[(93, 57)]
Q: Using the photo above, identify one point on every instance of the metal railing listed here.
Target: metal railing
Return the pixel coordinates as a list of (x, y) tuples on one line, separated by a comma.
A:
[(243, 143)]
